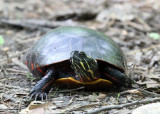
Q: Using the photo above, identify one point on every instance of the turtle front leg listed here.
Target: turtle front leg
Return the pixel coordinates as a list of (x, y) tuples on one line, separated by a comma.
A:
[(115, 76), (43, 86)]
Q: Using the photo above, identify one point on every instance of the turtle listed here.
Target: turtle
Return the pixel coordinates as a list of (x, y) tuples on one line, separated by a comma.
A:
[(75, 56)]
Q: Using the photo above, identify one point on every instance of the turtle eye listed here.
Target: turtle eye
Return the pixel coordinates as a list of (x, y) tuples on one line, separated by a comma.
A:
[(82, 54)]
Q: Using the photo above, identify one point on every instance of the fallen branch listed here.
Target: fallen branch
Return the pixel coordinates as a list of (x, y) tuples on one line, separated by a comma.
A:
[(148, 93), (104, 108), (15, 71), (82, 107), (8, 109), (141, 92), (34, 24), (22, 24)]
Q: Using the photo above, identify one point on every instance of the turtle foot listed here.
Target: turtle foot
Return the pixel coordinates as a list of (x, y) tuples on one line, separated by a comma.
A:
[(38, 95)]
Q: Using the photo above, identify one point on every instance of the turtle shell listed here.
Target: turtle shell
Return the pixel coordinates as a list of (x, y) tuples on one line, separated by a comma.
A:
[(57, 45)]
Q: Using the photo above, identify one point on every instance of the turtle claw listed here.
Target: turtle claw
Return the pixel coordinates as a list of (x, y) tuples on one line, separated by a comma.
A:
[(38, 96)]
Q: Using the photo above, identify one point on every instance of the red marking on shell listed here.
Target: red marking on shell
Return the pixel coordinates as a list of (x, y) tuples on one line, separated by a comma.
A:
[(111, 77), (40, 70), (26, 63), (32, 66)]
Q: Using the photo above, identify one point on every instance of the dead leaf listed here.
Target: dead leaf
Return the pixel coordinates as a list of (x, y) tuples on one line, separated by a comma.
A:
[(34, 111), (135, 91), (38, 104), (154, 76), (36, 107), (152, 85)]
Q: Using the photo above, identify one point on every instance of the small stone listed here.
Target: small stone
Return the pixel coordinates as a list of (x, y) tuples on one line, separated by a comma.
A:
[(2, 106), (102, 96), (153, 108)]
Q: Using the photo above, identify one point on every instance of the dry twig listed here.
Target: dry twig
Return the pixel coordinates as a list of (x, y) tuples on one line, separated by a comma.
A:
[(104, 108), (82, 107), (141, 92)]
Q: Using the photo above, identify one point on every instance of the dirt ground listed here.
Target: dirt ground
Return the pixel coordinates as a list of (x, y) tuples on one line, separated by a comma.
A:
[(133, 24)]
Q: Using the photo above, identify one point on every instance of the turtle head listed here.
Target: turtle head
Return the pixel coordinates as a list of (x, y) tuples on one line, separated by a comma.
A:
[(84, 65)]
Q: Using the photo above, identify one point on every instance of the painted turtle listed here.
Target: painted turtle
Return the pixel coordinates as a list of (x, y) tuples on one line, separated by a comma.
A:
[(75, 56)]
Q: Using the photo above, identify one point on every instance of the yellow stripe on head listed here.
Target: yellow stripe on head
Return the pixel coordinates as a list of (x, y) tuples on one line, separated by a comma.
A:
[(87, 64), (91, 72), (82, 65)]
